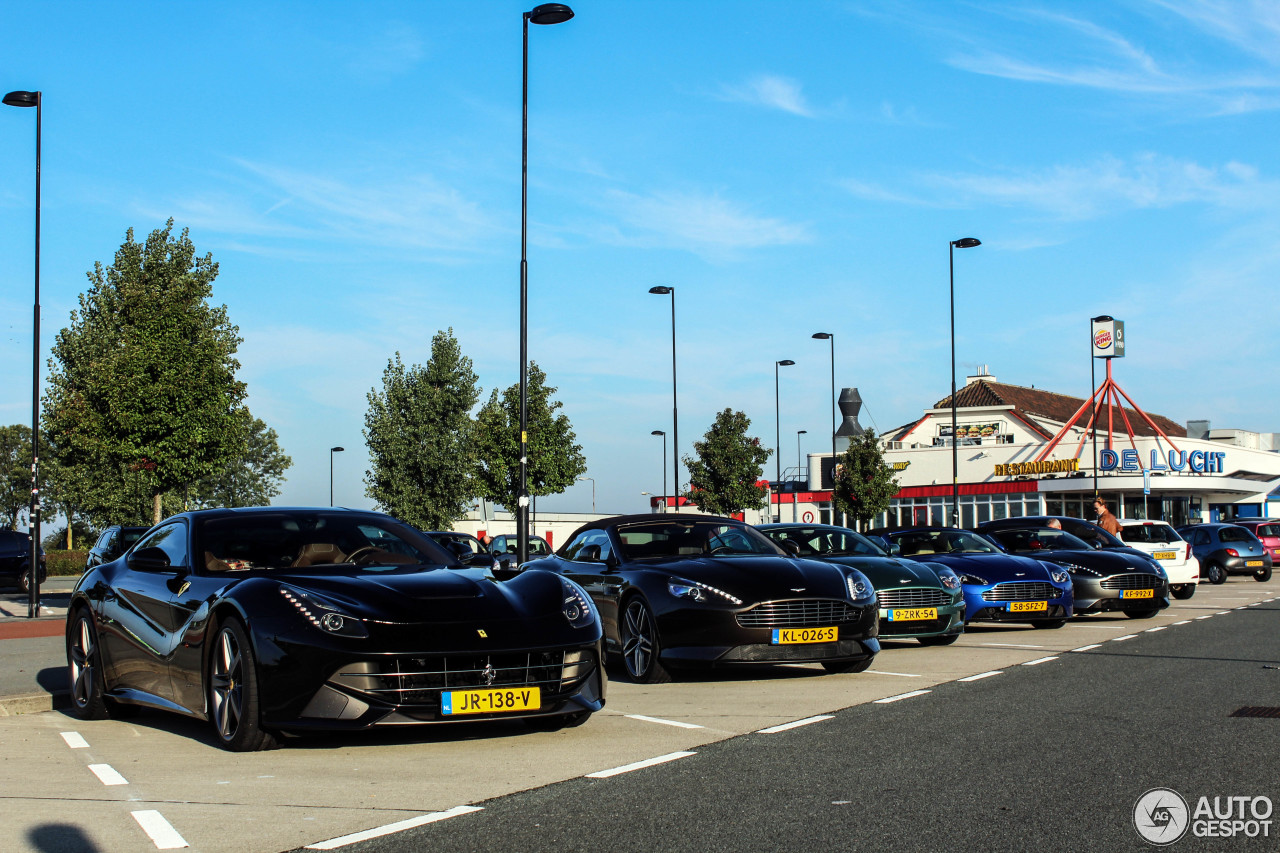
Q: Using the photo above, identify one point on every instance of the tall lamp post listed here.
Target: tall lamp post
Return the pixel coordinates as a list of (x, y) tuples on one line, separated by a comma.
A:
[(962, 243), (663, 290), (795, 513), (1093, 389), (593, 491), (777, 432), (829, 336), (332, 450), (547, 13), (33, 99), (664, 468)]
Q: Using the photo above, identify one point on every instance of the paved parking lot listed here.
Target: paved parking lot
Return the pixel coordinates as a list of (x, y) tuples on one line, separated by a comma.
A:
[(158, 781)]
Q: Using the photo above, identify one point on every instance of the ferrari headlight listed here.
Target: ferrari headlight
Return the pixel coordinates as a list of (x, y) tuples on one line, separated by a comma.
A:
[(860, 589), (694, 591), (949, 579), (325, 615), (576, 605)]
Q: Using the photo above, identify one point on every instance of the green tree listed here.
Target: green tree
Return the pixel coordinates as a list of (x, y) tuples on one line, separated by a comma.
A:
[(249, 478), (555, 457), (15, 473), (421, 437), (724, 476), (864, 483), (143, 379)]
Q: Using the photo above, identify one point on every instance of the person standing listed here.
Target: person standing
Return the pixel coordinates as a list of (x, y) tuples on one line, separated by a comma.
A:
[(1106, 520)]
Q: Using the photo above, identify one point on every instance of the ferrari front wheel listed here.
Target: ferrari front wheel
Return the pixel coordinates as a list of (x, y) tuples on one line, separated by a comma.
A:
[(233, 691), (84, 669)]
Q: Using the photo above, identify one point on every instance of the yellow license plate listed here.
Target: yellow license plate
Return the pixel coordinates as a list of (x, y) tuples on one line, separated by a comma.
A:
[(1165, 555), (912, 614), (1027, 606), (1137, 593), (794, 636), (494, 701), (1252, 563)]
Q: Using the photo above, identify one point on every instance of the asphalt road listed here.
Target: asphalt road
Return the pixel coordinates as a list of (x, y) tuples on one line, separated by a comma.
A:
[(1047, 758)]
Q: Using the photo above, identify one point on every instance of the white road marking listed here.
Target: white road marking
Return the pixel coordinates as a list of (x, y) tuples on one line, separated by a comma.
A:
[(1183, 622), (1013, 645), (75, 740), (1125, 637), (982, 675), (795, 724), (901, 696), (1039, 661), (1207, 616), (108, 775), (1088, 648), (1157, 628), (159, 830), (1222, 613), (388, 829), (899, 674), (639, 765), (675, 723)]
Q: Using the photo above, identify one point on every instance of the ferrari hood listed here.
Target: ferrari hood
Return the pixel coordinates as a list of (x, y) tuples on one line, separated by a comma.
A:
[(411, 595)]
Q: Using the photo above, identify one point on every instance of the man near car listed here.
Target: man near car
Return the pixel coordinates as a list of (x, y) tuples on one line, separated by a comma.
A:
[(1106, 520)]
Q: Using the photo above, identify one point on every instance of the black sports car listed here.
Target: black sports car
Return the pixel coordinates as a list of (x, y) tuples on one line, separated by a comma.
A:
[(700, 590), (282, 620)]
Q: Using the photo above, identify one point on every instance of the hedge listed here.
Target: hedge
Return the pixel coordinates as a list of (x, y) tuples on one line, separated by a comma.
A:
[(65, 562)]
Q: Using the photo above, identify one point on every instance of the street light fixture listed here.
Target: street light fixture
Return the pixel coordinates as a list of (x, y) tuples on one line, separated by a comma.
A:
[(777, 432), (593, 491), (33, 99), (663, 290), (332, 450), (664, 468), (1093, 389), (962, 243), (830, 336), (547, 13), (799, 467)]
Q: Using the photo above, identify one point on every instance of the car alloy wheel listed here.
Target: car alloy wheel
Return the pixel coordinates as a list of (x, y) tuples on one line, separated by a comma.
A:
[(1217, 574), (84, 670), (233, 691), (640, 644)]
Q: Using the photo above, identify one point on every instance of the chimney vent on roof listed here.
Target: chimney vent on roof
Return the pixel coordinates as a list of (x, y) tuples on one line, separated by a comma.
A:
[(981, 376)]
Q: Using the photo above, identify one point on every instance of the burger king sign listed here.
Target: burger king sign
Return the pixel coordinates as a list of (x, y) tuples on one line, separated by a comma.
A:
[(1108, 338)]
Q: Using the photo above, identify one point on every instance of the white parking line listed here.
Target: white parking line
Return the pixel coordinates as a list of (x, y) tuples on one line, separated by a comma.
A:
[(899, 674), (1183, 622), (1088, 648), (1013, 645), (675, 723), (1157, 628), (1125, 637), (901, 696), (639, 765), (75, 740), (159, 830), (1040, 661), (1222, 613), (399, 826), (1206, 616), (108, 775), (795, 724), (981, 675)]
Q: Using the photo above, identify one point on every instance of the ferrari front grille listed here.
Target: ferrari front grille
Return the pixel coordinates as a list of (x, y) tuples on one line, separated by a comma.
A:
[(908, 597), (1022, 591), (419, 680), (805, 613), (1134, 581)]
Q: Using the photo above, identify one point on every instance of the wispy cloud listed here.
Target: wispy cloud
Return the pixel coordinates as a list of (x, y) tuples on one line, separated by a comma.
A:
[(772, 91), (699, 223), (394, 50)]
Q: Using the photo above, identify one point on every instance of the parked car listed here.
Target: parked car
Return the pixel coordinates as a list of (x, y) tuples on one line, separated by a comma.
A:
[(1092, 534), (265, 621), (998, 587), (1102, 581), (703, 591), (463, 545), (15, 560), (1227, 549), (1162, 543), (506, 544), (923, 601), (1267, 530), (112, 543)]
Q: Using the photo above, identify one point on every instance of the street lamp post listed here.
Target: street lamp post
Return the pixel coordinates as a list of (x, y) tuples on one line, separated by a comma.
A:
[(799, 467), (332, 450), (663, 290), (547, 13), (1093, 389), (664, 467), (33, 99), (777, 432), (593, 491), (962, 243), (830, 336)]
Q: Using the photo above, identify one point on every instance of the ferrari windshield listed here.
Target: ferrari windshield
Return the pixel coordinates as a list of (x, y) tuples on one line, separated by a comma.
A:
[(940, 541), (285, 540), (668, 539), (826, 542), (1039, 539)]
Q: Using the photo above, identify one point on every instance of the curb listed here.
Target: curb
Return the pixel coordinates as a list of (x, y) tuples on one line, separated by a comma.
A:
[(33, 703)]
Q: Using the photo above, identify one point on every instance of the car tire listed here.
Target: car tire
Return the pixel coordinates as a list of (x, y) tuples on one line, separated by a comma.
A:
[(1142, 614), (84, 669), (1048, 623), (942, 640), (1216, 574), (641, 646), (1262, 575), (233, 692), (24, 582), (848, 666), (1183, 591)]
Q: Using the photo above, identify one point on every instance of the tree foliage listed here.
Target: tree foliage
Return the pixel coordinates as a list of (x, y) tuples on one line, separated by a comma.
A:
[(15, 473), (249, 478), (724, 475), (142, 382), (555, 457), (421, 437), (864, 483)]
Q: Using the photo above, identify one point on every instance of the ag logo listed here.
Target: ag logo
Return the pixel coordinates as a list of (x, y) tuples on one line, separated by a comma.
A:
[(1161, 816)]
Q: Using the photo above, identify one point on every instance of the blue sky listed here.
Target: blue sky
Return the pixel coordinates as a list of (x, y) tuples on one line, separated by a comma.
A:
[(788, 168)]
